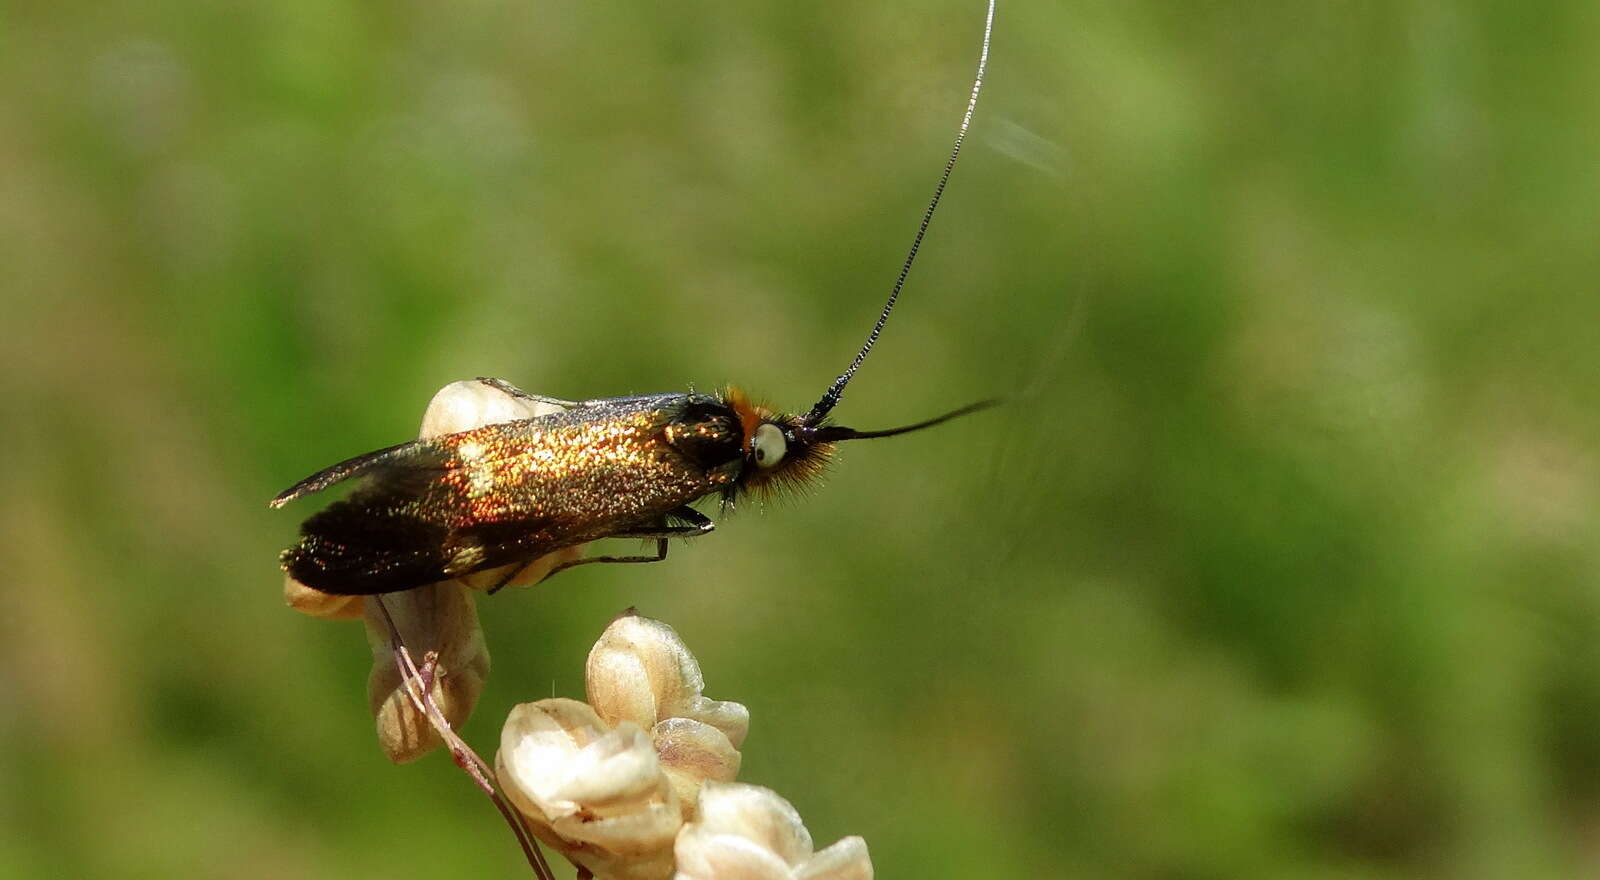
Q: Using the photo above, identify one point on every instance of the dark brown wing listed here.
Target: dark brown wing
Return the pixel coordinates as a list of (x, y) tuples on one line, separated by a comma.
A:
[(382, 541)]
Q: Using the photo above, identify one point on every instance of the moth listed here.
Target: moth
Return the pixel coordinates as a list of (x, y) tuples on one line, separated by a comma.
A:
[(506, 494)]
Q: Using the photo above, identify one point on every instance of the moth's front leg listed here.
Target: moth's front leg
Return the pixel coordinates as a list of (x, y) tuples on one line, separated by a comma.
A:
[(697, 524)]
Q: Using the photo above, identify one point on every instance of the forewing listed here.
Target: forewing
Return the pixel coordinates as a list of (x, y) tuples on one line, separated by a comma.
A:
[(500, 494)]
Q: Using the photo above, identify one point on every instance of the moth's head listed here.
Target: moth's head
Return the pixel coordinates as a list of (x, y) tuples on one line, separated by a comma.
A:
[(779, 451), (746, 445)]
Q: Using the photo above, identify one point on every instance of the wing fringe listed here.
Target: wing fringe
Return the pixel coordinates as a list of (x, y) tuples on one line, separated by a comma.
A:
[(338, 473)]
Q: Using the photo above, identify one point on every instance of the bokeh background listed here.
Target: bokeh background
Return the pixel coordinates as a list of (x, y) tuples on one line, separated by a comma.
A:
[(1282, 562)]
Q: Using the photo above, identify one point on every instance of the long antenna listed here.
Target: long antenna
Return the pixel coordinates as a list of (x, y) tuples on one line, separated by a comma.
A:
[(831, 398)]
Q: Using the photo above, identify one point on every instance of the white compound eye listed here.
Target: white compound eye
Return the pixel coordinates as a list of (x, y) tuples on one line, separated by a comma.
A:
[(768, 445)]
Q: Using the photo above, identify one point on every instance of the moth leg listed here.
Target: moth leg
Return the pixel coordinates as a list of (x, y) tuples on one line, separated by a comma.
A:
[(514, 391), (516, 572), (698, 524), (661, 553), (511, 575)]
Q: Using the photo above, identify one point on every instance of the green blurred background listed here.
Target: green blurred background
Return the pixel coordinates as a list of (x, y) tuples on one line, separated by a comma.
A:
[(1283, 564)]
